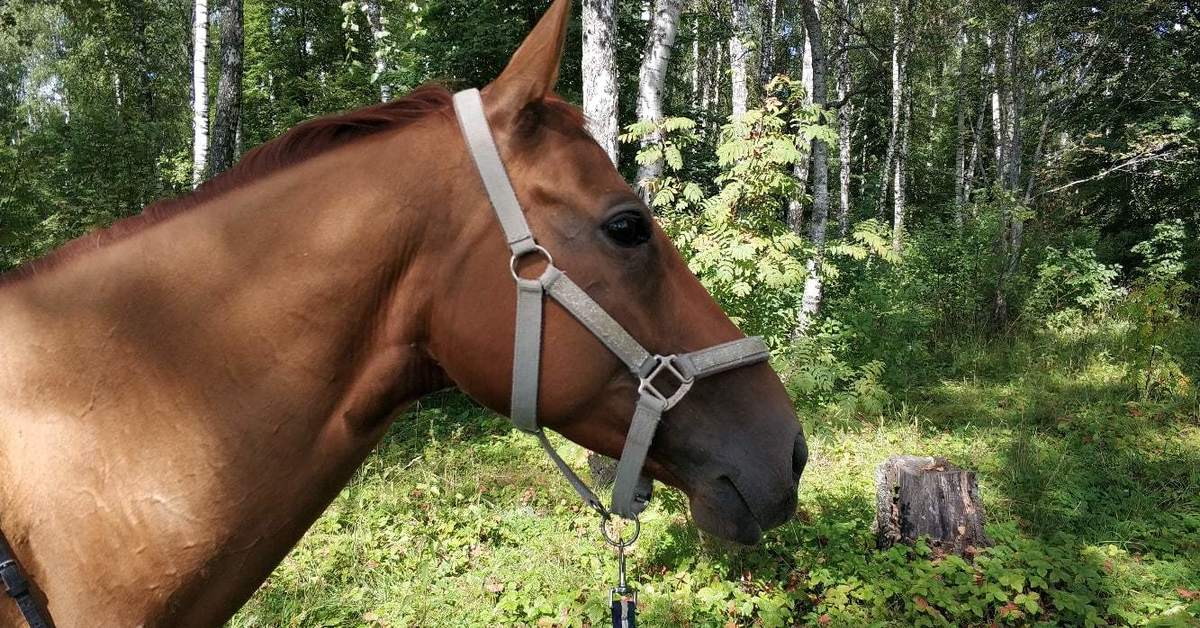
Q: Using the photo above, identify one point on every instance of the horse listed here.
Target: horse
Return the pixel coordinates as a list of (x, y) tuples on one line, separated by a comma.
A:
[(183, 393)]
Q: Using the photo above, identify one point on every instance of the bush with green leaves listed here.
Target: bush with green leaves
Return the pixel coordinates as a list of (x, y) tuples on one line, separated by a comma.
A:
[(729, 230), (1072, 282)]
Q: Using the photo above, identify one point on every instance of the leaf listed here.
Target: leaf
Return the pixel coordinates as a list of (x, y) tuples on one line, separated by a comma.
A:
[(674, 158)]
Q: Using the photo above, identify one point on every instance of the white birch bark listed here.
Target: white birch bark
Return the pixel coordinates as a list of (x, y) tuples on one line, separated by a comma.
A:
[(1013, 103), (374, 13), (976, 141), (960, 151), (795, 212), (199, 91), (998, 132), (845, 113), (600, 73), (696, 88), (653, 74), (739, 57), (813, 285), (897, 107), (900, 186)]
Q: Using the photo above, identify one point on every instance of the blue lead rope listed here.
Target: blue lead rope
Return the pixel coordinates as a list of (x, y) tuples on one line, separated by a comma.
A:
[(624, 612), (17, 587)]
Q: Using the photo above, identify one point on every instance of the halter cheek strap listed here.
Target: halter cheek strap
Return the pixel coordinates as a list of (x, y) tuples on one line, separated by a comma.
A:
[(631, 490)]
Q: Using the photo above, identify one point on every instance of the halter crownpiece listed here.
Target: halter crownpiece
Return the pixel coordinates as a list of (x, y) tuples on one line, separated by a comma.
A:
[(631, 490)]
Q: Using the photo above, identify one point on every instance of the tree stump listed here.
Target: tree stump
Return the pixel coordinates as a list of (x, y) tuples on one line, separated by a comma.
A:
[(930, 497)]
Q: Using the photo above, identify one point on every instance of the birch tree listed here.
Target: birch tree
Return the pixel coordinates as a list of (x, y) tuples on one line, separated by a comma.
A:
[(653, 74), (600, 73), (845, 113), (811, 300), (374, 13), (795, 211), (900, 186), (897, 106), (976, 139), (222, 150), (739, 58), (960, 115), (998, 132), (1009, 168), (199, 90)]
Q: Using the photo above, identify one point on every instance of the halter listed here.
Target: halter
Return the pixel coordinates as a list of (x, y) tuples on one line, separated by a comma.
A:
[(631, 490)]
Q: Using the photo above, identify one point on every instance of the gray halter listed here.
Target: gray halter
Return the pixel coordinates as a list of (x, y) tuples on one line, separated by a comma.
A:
[(631, 491)]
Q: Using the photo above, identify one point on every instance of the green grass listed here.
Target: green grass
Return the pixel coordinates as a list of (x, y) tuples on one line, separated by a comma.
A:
[(1091, 479)]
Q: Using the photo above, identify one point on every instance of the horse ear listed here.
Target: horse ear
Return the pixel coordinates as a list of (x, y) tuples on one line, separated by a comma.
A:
[(532, 71)]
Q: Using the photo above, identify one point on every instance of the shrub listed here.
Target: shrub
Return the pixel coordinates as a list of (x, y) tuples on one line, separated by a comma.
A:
[(730, 231), (1072, 282)]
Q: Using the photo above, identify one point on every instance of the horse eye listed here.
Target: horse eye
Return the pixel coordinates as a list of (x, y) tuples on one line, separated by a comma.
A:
[(628, 229)]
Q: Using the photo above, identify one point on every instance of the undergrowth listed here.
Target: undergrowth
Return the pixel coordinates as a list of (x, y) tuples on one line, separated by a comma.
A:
[(1092, 488)]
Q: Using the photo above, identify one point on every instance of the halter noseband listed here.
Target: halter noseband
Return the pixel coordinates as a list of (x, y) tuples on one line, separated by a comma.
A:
[(631, 490)]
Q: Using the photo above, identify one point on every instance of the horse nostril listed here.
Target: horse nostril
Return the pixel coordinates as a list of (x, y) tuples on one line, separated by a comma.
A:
[(799, 456)]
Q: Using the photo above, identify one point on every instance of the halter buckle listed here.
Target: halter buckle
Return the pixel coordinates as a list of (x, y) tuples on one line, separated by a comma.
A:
[(537, 249), (665, 364)]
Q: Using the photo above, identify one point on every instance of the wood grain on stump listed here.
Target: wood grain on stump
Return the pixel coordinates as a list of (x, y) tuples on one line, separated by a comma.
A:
[(928, 497)]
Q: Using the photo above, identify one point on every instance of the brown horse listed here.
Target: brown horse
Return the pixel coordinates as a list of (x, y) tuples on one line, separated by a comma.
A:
[(182, 395)]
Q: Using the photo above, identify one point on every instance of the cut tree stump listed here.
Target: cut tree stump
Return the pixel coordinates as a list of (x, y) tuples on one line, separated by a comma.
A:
[(928, 497)]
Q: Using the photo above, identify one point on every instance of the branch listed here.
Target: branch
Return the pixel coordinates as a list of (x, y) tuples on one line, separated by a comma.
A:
[(861, 89), (1155, 156)]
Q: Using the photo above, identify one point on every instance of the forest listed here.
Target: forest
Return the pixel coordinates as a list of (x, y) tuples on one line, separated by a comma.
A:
[(965, 229)]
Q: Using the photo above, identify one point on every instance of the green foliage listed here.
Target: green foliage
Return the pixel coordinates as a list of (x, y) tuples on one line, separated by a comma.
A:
[(1163, 252), (1093, 501), (1072, 283), (733, 238)]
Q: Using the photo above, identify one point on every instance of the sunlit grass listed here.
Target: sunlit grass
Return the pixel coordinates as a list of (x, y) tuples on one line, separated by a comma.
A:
[(458, 520)]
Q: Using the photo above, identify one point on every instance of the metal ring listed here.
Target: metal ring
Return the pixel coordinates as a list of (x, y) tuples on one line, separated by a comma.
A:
[(537, 248), (617, 541)]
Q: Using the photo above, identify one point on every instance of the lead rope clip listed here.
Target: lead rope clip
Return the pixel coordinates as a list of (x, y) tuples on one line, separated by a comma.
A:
[(622, 597)]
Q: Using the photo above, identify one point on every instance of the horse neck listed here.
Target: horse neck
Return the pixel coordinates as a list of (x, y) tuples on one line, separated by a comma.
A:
[(205, 387)]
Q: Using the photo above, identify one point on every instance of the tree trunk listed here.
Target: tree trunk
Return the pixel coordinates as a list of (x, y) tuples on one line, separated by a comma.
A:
[(653, 74), (697, 90), (960, 151), (998, 131), (766, 51), (199, 91), (928, 497), (897, 104), (600, 73), (1037, 157), (1013, 228), (1014, 104), (811, 301), (738, 59), (976, 145), (901, 184), (795, 211), (374, 13), (845, 112), (222, 150)]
